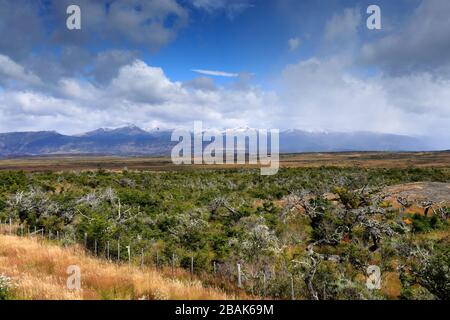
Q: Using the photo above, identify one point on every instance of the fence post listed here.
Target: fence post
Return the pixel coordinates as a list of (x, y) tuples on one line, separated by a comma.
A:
[(118, 250), (173, 264), (292, 288), (85, 239), (239, 275), (214, 267), (107, 250), (10, 226), (142, 258), (129, 253), (192, 264), (264, 283), (157, 259), (95, 247)]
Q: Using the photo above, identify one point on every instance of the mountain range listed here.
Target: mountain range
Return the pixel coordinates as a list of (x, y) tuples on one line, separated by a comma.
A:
[(134, 141)]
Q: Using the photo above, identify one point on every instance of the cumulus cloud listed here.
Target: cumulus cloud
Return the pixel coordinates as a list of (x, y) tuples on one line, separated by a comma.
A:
[(419, 45), (343, 26), (20, 27), (139, 94), (152, 23), (106, 65), (30, 24), (323, 94), (201, 83), (316, 94), (34, 35), (138, 81), (14, 71)]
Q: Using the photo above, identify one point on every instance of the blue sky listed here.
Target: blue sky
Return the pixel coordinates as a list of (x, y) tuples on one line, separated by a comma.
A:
[(256, 40), (310, 65)]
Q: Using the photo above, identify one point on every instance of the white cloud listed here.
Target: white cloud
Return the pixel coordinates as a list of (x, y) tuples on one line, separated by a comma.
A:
[(209, 5), (14, 71), (202, 83), (31, 104), (321, 94), (421, 44), (216, 73), (315, 94), (142, 22), (342, 29), (138, 81), (232, 8), (74, 89), (139, 94), (294, 44)]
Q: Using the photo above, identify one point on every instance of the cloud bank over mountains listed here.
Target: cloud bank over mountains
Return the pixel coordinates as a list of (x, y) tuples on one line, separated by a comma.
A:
[(397, 81)]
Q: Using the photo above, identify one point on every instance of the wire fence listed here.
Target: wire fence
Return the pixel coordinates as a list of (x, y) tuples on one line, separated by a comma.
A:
[(257, 281)]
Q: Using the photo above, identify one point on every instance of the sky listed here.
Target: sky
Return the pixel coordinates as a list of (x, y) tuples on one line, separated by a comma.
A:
[(310, 65)]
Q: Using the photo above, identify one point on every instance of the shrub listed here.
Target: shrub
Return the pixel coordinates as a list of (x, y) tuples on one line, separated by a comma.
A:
[(426, 224), (5, 287)]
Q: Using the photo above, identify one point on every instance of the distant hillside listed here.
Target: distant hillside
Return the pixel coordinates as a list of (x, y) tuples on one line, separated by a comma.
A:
[(133, 141), (302, 141), (123, 141)]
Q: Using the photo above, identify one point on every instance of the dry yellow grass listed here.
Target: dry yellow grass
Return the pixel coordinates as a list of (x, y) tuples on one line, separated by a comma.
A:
[(38, 269)]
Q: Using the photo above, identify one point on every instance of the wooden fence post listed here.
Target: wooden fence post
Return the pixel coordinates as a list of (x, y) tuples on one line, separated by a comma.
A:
[(264, 283), (192, 264), (239, 275), (107, 250), (142, 258), (157, 259), (173, 264), (129, 253), (118, 250), (10, 226)]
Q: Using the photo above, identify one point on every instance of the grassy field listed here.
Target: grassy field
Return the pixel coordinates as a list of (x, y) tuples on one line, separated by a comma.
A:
[(305, 160), (38, 269)]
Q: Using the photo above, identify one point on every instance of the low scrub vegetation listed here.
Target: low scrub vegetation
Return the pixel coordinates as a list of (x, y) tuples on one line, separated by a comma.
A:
[(305, 233)]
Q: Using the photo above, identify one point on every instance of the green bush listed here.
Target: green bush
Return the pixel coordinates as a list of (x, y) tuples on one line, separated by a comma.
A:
[(5, 287), (426, 224)]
